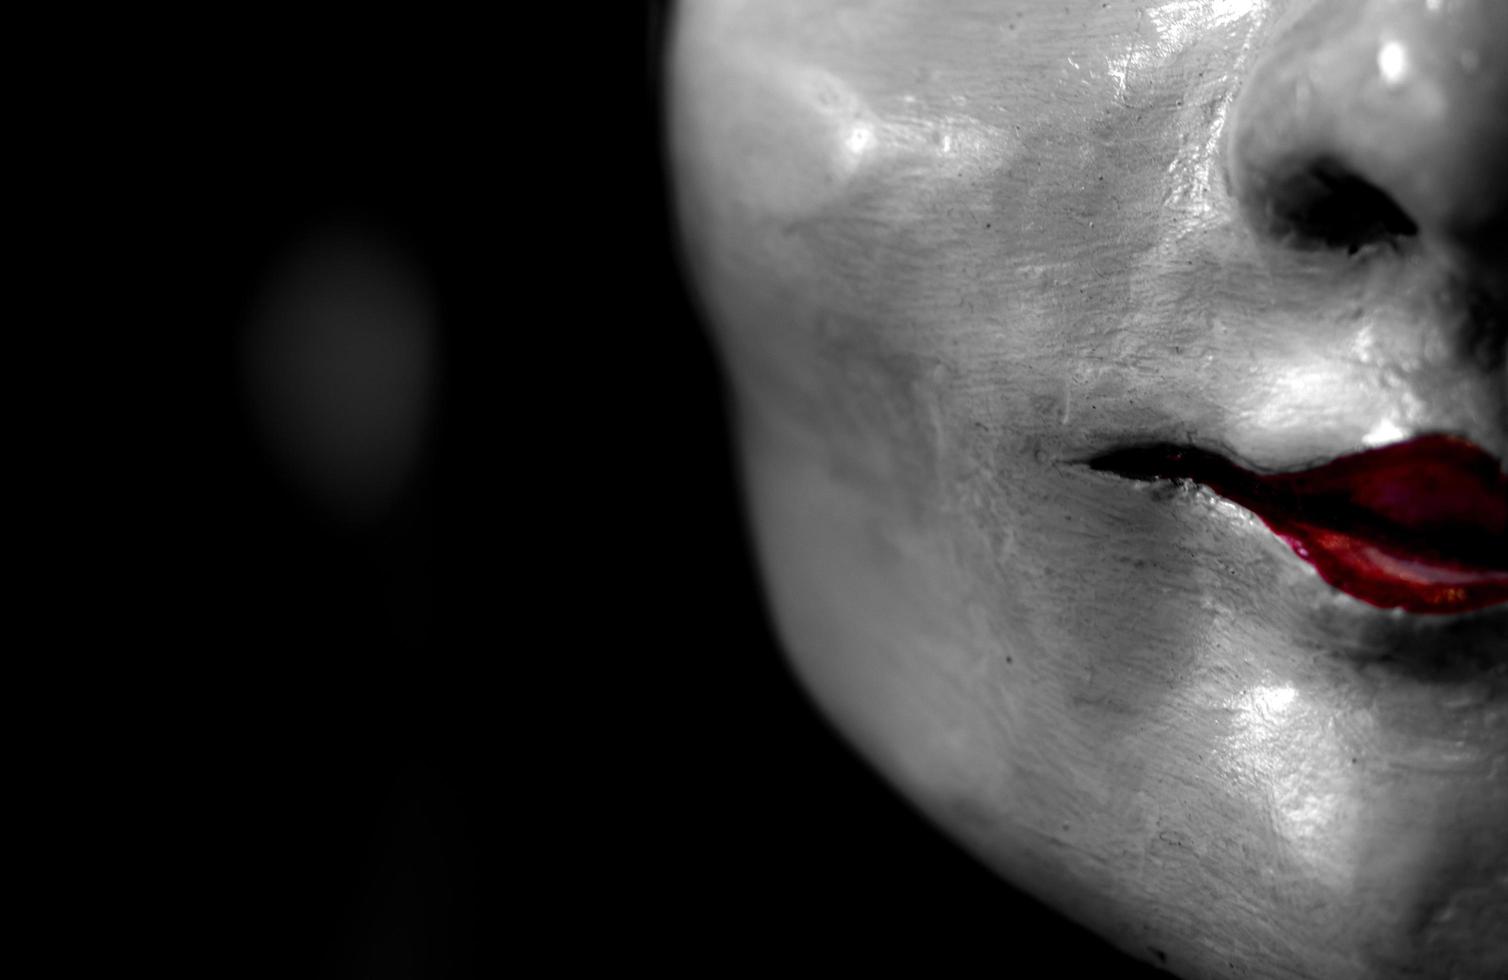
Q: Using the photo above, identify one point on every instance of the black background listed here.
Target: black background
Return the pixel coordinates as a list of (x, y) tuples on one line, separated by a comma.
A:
[(539, 709)]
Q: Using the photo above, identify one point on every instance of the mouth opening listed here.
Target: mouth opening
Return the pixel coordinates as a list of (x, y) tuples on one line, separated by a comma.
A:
[(1420, 526)]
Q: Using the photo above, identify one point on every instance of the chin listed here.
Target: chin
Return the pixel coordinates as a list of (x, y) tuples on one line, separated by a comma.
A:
[(1123, 437)]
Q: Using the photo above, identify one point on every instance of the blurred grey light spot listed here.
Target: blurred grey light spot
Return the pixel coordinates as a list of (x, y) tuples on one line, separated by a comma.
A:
[(339, 361)]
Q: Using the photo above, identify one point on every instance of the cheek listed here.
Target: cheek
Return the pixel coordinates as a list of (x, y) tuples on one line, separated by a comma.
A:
[(961, 248)]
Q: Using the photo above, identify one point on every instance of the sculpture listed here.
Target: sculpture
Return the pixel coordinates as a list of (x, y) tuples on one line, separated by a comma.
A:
[(1123, 410)]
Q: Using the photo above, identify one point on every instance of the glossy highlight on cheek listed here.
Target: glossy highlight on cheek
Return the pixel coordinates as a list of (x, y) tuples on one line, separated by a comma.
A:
[(1420, 526)]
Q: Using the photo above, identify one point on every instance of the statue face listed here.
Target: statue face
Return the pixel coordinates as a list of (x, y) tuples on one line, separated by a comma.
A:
[(1123, 409)]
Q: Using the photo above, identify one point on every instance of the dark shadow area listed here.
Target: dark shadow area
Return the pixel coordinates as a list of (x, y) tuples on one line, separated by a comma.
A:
[(297, 743)]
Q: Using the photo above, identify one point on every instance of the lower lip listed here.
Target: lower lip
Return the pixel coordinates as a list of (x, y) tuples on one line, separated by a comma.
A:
[(1420, 526)]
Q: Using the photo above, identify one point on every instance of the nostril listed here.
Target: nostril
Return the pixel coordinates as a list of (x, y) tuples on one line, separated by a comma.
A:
[(1327, 205)]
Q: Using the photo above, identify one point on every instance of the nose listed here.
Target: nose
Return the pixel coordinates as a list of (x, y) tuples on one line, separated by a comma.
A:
[(1374, 119)]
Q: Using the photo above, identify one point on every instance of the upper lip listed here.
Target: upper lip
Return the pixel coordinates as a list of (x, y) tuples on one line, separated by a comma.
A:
[(1419, 525)]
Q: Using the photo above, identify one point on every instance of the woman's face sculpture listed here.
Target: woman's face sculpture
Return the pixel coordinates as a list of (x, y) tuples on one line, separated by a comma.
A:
[(1123, 405)]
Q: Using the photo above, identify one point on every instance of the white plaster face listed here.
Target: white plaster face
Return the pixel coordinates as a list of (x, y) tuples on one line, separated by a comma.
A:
[(951, 251)]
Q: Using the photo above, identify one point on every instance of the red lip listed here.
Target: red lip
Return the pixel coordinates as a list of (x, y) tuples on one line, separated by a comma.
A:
[(1420, 525)]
